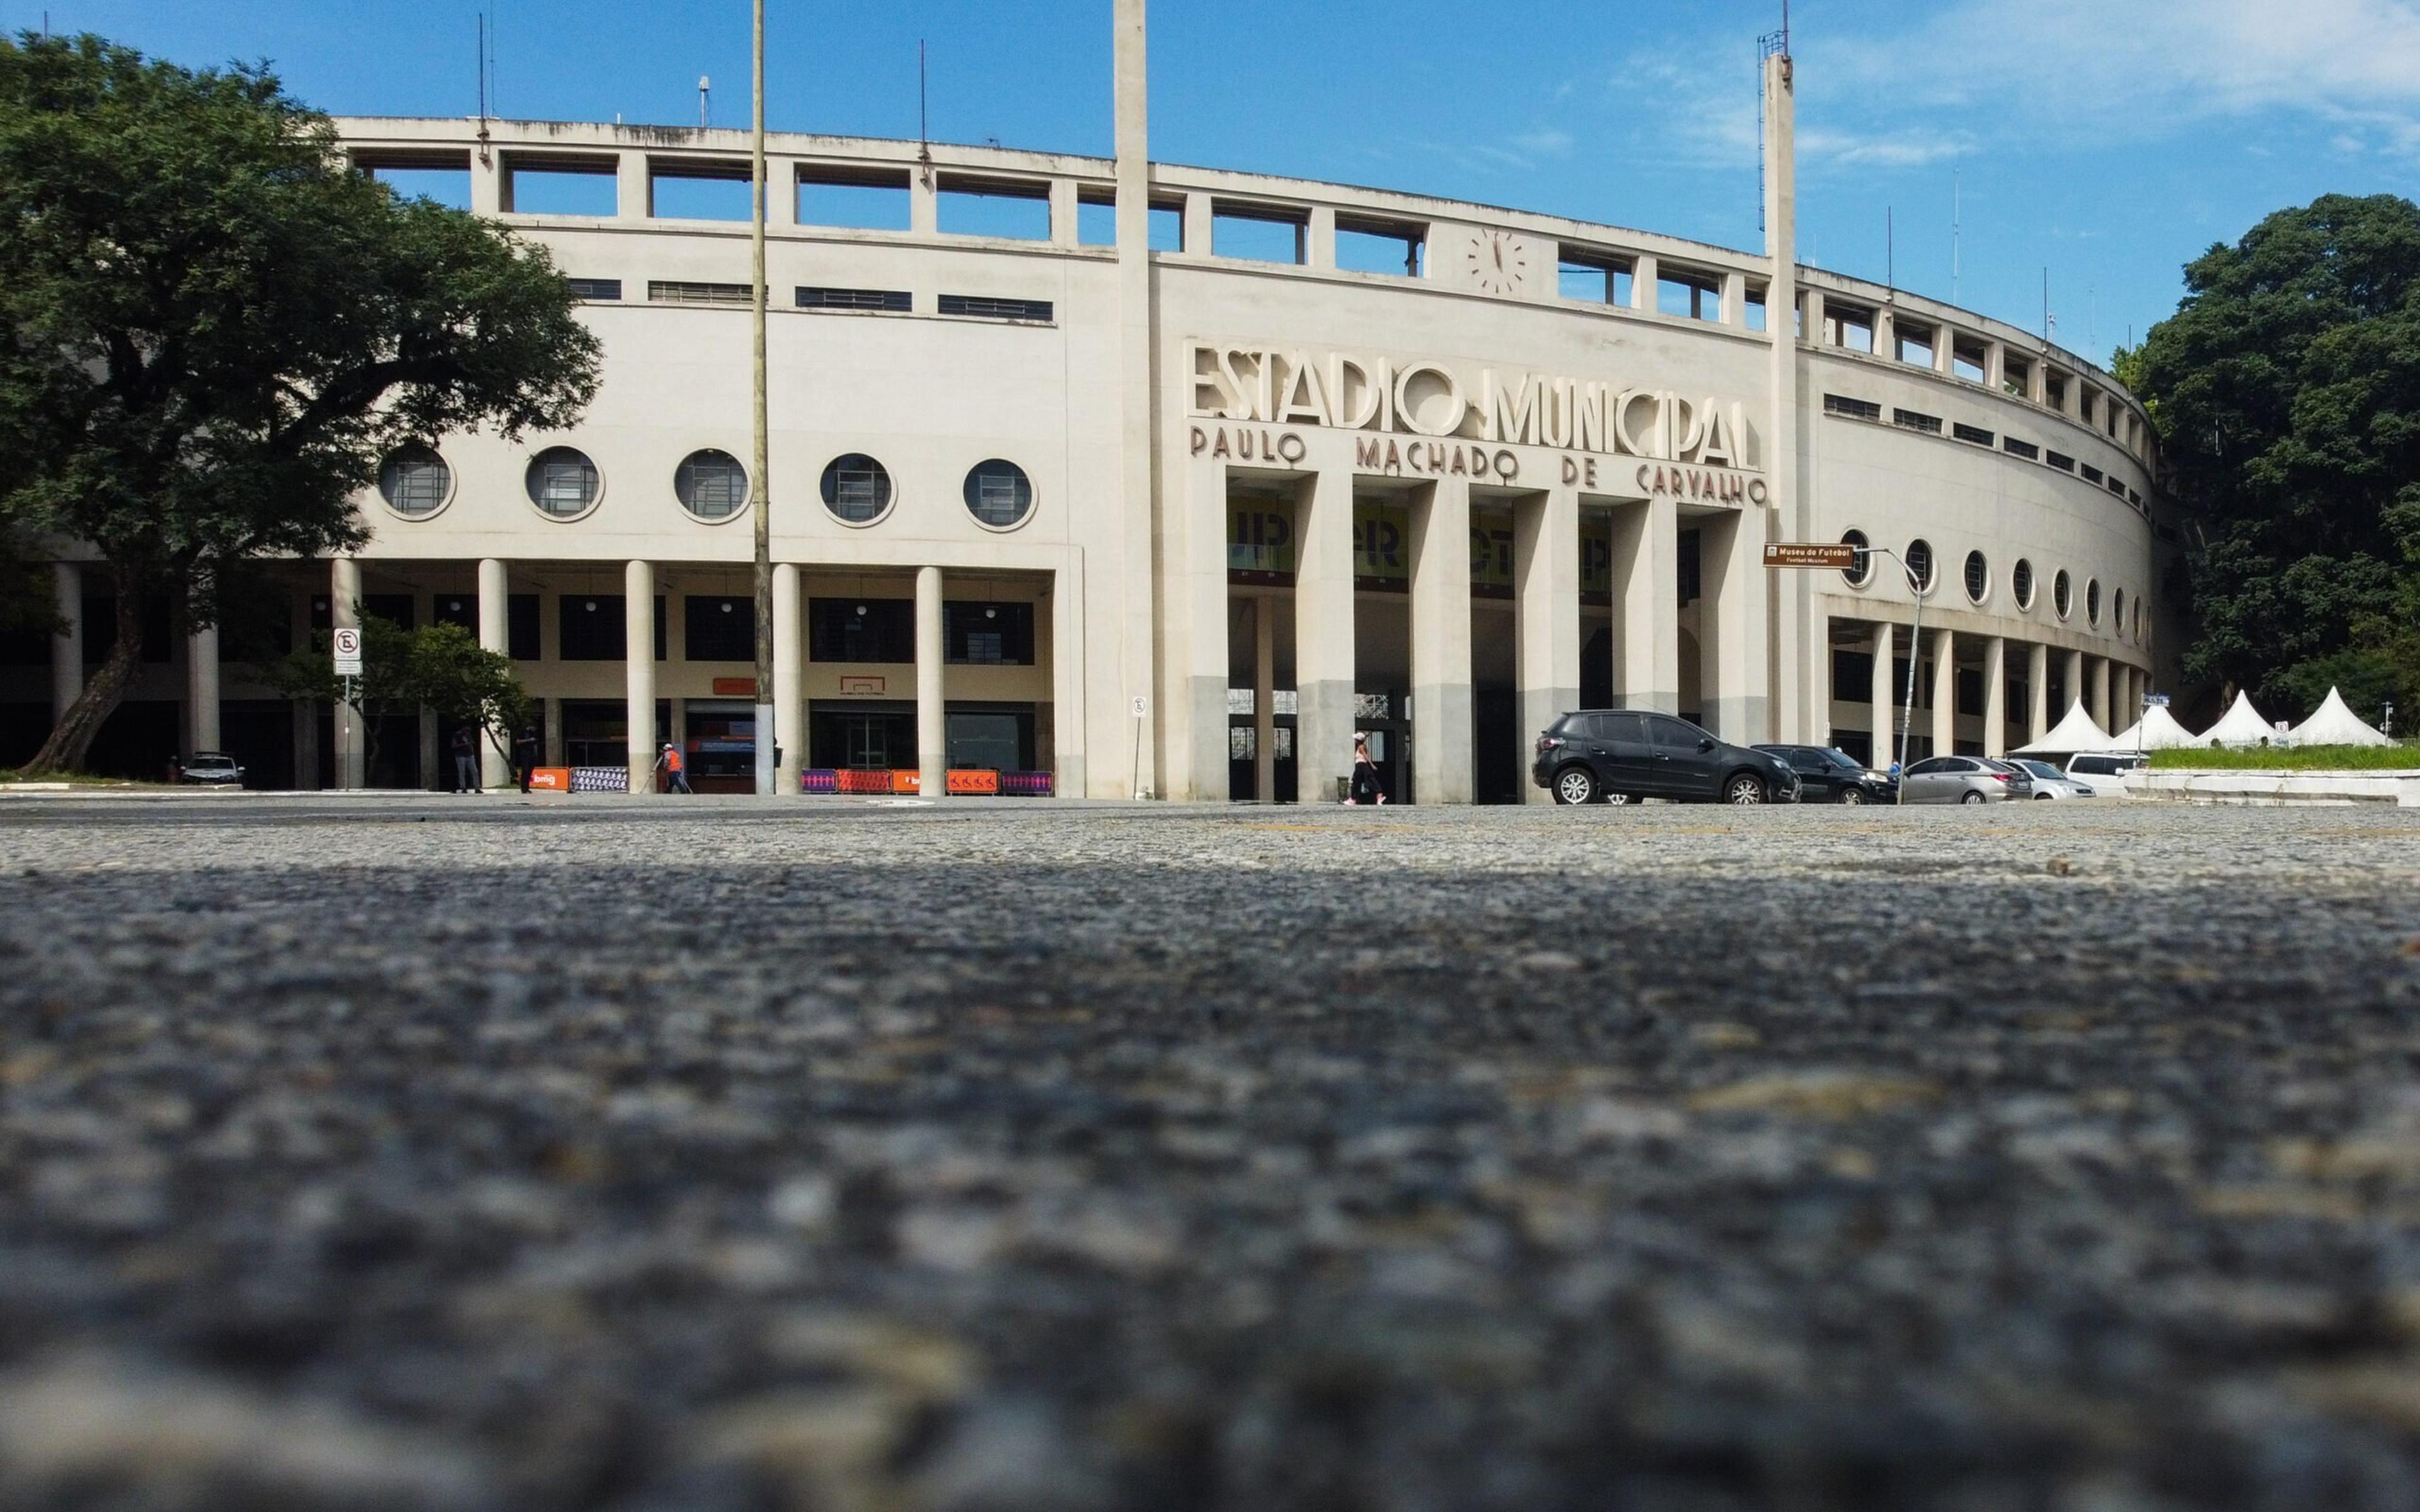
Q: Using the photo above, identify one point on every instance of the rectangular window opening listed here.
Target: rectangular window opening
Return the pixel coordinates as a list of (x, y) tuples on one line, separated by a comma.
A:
[(811, 297), (1096, 218), (1840, 403), (715, 627), (1591, 277), (1966, 359), (2091, 474), (1011, 209), (2054, 391), (863, 630), (987, 635), (700, 189), (853, 199), (550, 185), (449, 187), (1974, 434), (1913, 345), (1848, 328), (663, 291), (1911, 420), (2016, 375), (1752, 311), (1690, 296), (1168, 226), (1365, 245), (1257, 234), (990, 308), (2017, 448), (2059, 460), (597, 288)]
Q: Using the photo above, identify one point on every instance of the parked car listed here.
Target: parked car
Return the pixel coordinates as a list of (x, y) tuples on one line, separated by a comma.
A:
[(2105, 771), (2049, 781), (1964, 779), (1829, 776), (213, 766), (1621, 755)]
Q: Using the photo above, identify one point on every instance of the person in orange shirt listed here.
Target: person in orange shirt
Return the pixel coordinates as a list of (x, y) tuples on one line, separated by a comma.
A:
[(675, 778)]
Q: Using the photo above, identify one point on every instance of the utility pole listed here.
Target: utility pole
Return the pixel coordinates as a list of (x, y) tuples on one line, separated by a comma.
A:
[(761, 500)]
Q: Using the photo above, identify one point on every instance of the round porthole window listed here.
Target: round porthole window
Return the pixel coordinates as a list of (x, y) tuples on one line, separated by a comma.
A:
[(416, 482), (2022, 580), (1979, 578), (2117, 611), (2092, 601), (2062, 594), (998, 494), (855, 488), (1860, 570), (711, 486), (563, 483), (1919, 566)]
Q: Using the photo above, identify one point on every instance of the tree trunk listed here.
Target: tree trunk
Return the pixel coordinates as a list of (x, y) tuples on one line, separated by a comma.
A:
[(71, 737)]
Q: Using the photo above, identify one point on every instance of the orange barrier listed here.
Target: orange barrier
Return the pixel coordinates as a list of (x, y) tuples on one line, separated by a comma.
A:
[(905, 782), (549, 779), (984, 781)]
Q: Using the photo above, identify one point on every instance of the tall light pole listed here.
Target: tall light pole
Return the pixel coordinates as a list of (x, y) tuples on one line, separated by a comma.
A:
[(760, 502), (1915, 660)]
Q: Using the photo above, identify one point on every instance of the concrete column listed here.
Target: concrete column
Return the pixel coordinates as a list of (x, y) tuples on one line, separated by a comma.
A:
[(435, 763), (1887, 333), (923, 204), (1732, 626), (2099, 671), (1067, 691), (1812, 332), (1800, 674), (1197, 649), (1945, 348), (2036, 691), (1996, 696), (1995, 369), (202, 689), (67, 647), (1197, 215), (639, 670), (1545, 617), (1128, 563), (1642, 282), (1442, 694), (1319, 240), (932, 719), (344, 611), (1885, 719), (1646, 578), (2075, 690), (495, 634), (634, 191), (1063, 212), (790, 680), (1734, 306), (1945, 692), (487, 198), (1323, 634), (1265, 700)]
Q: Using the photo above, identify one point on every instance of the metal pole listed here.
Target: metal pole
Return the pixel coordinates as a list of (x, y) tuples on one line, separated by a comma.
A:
[(1915, 666), (761, 501)]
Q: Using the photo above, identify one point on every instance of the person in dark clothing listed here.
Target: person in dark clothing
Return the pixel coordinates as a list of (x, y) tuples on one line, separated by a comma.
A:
[(1365, 775), (525, 754), (466, 761)]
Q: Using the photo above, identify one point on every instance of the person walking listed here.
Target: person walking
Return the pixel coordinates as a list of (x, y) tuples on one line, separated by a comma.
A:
[(675, 779), (466, 761), (1366, 788), (525, 753)]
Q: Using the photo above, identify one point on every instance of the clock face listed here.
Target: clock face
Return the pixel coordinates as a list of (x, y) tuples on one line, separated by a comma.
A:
[(1499, 261)]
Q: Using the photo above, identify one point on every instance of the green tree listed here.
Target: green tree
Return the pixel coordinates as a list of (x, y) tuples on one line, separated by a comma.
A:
[(2286, 391), (212, 328), (437, 667)]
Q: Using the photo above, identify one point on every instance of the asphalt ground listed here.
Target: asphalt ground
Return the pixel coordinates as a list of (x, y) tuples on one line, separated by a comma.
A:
[(658, 1153)]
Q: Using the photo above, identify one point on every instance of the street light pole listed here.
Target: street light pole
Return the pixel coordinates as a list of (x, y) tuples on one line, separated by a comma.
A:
[(1914, 661), (760, 501)]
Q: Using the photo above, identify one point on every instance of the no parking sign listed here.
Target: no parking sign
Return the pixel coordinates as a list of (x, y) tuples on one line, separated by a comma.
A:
[(348, 644)]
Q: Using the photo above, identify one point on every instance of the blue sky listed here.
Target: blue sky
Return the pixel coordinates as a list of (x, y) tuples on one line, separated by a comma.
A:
[(2105, 140)]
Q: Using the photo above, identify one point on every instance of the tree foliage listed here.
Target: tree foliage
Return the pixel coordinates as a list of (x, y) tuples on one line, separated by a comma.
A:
[(212, 328), (2286, 391), (437, 667)]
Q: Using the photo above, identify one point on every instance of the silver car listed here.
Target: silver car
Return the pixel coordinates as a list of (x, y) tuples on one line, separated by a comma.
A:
[(2050, 782), (1964, 779)]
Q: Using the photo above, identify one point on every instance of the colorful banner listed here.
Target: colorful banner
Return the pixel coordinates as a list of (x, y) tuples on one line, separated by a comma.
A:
[(1491, 553), (1259, 540), (1382, 546)]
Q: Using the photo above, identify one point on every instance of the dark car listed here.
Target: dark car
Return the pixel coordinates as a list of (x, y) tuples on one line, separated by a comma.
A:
[(1829, 776), (1621, 755), (211, 766)]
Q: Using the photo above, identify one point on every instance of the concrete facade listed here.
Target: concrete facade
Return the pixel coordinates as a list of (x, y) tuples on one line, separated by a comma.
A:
[(1301, 458)]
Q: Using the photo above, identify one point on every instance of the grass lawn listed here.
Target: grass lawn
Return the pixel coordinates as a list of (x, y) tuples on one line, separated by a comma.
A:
[(2291, 759)]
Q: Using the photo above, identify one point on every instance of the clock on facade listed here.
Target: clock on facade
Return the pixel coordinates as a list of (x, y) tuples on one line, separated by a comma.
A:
[(1499, 262)]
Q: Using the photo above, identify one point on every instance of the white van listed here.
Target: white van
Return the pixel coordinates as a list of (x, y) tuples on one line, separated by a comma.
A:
[(2105, 771)]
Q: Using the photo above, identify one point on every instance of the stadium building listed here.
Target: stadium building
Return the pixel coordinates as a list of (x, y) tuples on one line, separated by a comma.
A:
[(1116, 477)]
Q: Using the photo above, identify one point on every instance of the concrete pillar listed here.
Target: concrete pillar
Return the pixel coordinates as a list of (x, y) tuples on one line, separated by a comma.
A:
[(487, 195), (1945, 692), (345, 614), (1546, 618), (1642, 282), (435, 763), (1319, 240), (1732, 627), (1995, 371), (2075, 690), (1323, 634), (1812, 329), (634, 190), (1442, 695), (1265, 700), (67, 647), (202, 689), (1068, 724), (1885, 719), (1196, 650), (923, 204), (1945, 348), (495, 634), (1063, 212), (1646, 578), (1197, 214), (1887, 333), (1129, 555), (790, 680), (639, 670), (1734, 301), (1800, 674), (932, 718), (1996, 696), (2098, 670), (2036, 691)]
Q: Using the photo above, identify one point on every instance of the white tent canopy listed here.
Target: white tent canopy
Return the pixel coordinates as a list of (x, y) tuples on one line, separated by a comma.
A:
[(2157, 729), (2333, 724), (2075, 733), (2243, 725)]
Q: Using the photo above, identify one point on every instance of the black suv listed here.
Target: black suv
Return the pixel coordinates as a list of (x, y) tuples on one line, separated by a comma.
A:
[(1621, 755), (1829, 776)]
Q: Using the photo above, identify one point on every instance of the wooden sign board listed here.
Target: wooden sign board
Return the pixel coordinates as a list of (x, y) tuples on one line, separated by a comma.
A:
[(735, 687), (1838, 556)]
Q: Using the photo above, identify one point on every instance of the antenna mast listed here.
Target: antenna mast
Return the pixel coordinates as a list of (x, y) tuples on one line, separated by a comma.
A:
[(705, 92), (1957, 179)]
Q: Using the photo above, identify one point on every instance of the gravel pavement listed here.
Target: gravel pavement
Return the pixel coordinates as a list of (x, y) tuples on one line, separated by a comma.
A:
[(635, 1154)]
